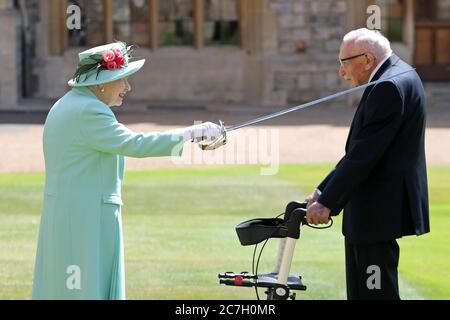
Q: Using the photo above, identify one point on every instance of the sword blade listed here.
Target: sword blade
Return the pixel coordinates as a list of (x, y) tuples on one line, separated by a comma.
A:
[(309, 104)]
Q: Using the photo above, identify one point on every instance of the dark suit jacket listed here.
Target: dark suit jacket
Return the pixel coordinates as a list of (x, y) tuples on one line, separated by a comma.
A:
[(381, 182)]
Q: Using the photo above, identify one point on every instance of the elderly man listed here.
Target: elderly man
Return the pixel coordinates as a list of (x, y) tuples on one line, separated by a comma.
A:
[(381, 182)]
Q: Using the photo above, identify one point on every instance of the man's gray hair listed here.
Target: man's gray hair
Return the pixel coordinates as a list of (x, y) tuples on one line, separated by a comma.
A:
[(370, 41)]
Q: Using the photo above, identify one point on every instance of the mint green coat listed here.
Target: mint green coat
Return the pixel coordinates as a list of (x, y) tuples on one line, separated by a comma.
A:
[(80, 248)]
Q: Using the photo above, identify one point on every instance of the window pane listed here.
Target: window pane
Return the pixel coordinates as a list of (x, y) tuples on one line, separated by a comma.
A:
[(92, 24), (176, 24), (443, 10), (130, 21), (392, 12), (221, 24), (395, 29), (423, 9)]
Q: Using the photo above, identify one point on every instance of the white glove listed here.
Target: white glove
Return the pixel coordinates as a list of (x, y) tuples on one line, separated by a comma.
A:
[(202, 131)]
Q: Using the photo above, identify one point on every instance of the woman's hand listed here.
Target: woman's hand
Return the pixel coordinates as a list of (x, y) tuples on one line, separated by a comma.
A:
[(203, 131)]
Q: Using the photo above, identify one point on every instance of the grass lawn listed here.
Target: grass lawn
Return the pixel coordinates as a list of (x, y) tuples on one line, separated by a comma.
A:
[(179, 234)]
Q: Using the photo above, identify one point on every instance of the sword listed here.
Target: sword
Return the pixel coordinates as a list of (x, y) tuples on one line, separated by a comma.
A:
[(220, 141)]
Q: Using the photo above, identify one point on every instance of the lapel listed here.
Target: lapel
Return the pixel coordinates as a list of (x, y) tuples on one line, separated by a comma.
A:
[(392, 60)]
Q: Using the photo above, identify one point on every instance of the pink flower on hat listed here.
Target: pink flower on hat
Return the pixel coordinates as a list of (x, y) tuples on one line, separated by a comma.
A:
[(108, 56), (118, 53), (113, 59), (119, 60)]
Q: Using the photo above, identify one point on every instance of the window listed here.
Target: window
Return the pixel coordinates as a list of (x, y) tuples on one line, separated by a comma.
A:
[(176, 24), (423, 10), (429, 10), (221, 25), (392, 19), (443, 12), (92, 24), (130, 21), (155, 23)]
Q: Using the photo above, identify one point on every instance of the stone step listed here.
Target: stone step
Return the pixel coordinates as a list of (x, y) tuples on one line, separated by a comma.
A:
[(440, 99), (438, 94), (437, 87), (441, 95)]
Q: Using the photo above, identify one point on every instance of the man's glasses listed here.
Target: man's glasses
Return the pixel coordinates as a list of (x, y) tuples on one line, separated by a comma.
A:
[(341, 61)]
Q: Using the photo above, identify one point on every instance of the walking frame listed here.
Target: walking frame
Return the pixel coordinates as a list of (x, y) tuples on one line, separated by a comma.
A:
[(279, 283)]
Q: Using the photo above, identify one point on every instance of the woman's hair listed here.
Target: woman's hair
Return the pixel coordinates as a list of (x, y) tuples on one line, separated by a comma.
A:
[(370, 41)]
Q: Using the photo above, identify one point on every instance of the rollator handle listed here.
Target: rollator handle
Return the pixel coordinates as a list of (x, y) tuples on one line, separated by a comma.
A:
[(295, 205)]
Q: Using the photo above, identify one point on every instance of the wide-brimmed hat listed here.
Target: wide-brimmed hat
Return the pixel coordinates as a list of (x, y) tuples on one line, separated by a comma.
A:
[(105, 64)]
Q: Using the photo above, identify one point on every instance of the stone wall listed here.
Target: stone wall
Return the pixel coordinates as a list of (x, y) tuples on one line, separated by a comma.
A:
[(172, 74), (309, 37), (294, 60)]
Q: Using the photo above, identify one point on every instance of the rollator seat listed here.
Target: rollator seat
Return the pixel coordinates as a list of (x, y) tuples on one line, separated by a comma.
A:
[(256, 230)]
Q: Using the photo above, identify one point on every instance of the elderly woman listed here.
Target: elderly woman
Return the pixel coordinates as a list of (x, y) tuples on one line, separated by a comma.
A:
[(80, 249)]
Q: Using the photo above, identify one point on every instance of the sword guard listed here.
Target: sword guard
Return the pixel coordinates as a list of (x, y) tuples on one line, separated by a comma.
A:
[(208, 144)]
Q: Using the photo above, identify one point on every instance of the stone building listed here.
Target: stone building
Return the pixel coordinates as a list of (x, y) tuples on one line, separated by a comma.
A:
[(249, 52)]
